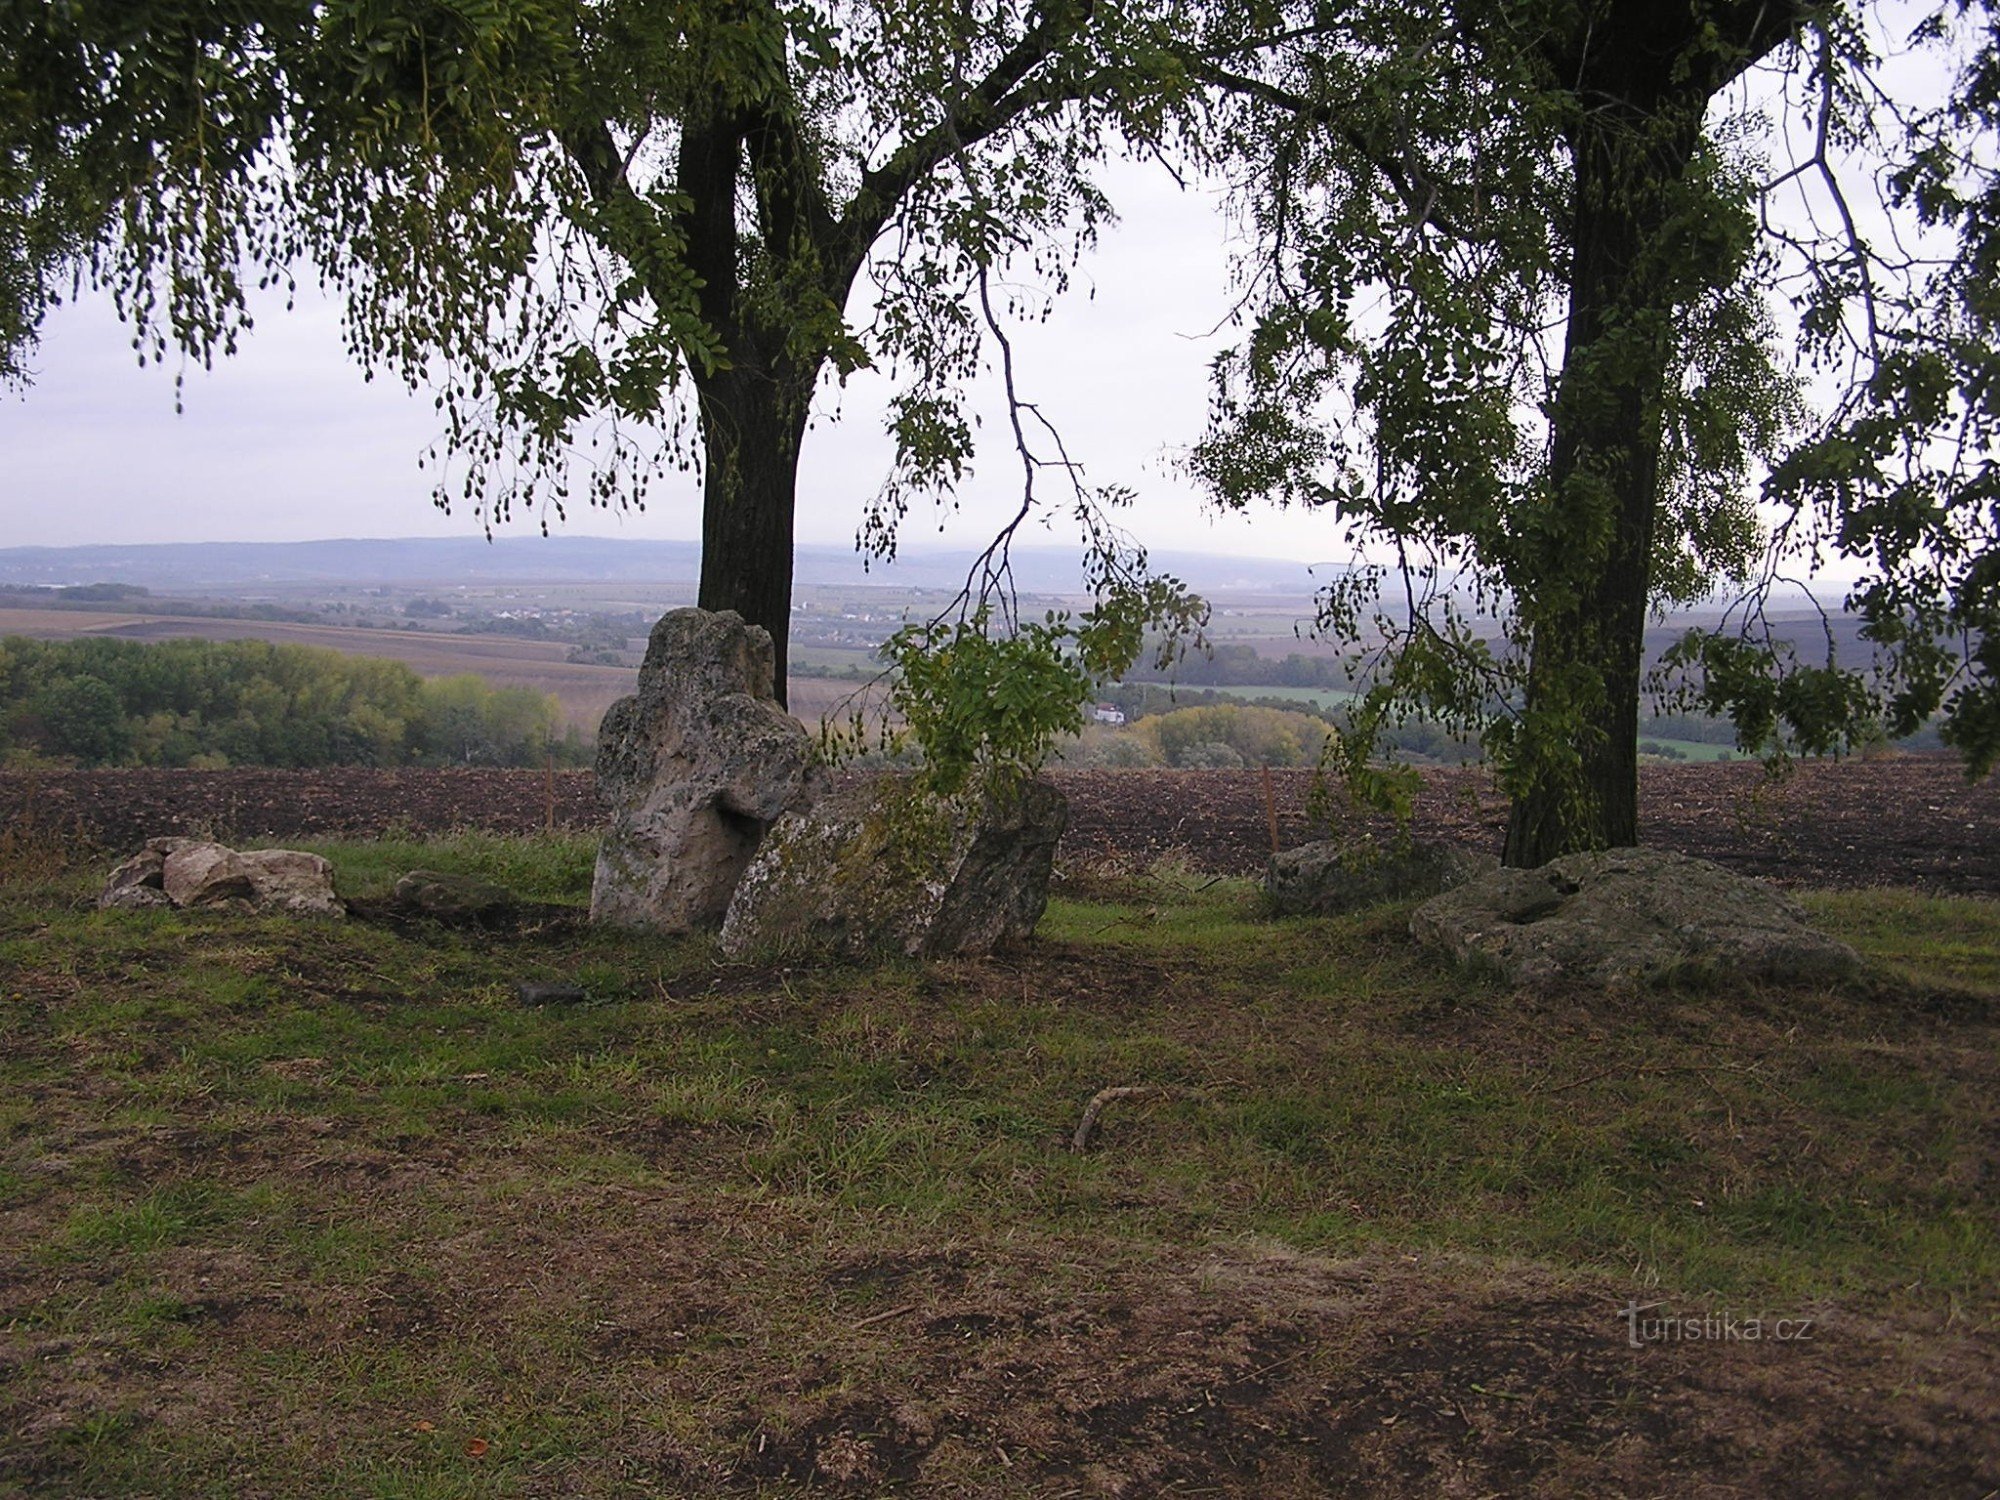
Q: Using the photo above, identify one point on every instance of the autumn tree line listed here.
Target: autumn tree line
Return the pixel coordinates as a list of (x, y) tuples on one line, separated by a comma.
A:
[(205, 705)]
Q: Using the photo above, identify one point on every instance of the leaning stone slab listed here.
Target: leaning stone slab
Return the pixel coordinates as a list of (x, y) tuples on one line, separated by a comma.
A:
[(1629, 916), (1339, 875), (883, 868), (693, 768)]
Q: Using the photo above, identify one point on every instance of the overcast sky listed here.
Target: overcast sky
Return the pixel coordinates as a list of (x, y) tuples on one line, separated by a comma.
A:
[(286, 441)]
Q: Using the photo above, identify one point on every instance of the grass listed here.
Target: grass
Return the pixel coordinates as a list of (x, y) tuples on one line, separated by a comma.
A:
[(554, 868), (392, 1233), (1926, 940)]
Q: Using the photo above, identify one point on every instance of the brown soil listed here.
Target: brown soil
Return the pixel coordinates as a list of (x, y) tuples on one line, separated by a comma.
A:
[(739, 1345), (1899, 821), (793, 1362), (698, 1342), (1906, 821)]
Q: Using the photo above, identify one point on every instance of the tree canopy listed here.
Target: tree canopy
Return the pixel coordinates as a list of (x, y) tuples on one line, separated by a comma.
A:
[(611, 236), (1542, 309), (1539, 306), (100, 701)]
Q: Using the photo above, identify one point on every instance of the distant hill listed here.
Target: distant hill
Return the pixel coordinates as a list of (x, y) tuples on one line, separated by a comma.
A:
[(197, 565), (237, 565), (1807, 632), (191, 567)]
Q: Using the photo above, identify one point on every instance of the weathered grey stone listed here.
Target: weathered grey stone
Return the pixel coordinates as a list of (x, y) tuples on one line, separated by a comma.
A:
[(1629, 916), (693, 769), (132, 897), (1339, 875), (137, 882), (145, 871), (291, 880), (885, 868), (456, 900), (199, 872)]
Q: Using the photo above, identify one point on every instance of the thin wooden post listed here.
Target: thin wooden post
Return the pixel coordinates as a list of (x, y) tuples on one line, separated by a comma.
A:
[(1271, 808)]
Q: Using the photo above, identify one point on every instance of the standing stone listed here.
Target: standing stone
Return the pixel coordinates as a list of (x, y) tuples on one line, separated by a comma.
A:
[(693, 769), (883, 868)]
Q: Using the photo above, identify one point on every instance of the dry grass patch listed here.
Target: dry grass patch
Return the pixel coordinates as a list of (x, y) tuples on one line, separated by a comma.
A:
[(307, 1208)]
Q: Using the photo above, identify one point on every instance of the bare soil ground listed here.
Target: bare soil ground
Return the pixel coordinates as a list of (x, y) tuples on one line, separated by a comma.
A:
[(720, 1352), (1909, 821), (237, 1257), (306, 1208)]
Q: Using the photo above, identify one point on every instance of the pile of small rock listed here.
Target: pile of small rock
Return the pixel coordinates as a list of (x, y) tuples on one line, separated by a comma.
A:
[(187, 872)]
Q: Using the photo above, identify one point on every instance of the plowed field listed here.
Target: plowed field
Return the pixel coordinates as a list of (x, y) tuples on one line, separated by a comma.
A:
[(1909, 821)]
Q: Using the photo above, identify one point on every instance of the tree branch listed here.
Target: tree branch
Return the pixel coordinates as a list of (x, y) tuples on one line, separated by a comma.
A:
[(791, 200), (989, 106), (632, 229), (1418, 193)]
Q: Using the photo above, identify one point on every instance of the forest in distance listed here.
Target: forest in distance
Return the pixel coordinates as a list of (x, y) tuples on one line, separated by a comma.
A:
[(206, 705), (100, 701), (1259, 692)]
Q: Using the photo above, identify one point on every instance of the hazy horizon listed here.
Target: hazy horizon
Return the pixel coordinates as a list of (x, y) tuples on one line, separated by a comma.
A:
[(285, 441), (1040, 568)]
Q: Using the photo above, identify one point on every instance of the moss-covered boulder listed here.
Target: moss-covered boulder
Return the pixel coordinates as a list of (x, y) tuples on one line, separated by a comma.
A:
[(1626, 917), (885, 868), (455, 900)]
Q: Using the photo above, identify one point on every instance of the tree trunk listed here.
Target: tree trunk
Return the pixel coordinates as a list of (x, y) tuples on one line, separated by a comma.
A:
[(1575, 777), (753, 418), (1642, 74)]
